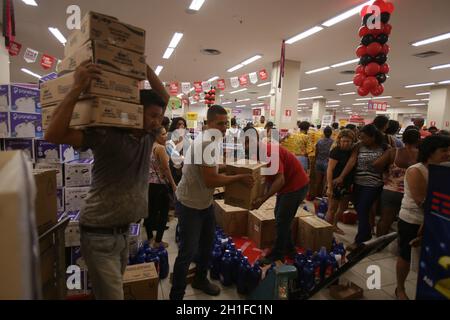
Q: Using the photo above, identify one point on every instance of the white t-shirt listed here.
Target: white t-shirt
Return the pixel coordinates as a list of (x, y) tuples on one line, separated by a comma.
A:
[(410, 212)]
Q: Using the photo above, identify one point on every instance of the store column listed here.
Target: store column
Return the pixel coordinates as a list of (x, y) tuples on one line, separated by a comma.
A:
[(439, 108), (318, 111), (284, 101), (4, 63)]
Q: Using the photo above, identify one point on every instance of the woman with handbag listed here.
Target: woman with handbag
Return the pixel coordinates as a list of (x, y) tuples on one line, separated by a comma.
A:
[(161, 189)]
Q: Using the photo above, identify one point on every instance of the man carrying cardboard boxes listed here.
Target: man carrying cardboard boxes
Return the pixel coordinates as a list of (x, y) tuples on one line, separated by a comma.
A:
[(290, 184), (119, 192), (195, 204)]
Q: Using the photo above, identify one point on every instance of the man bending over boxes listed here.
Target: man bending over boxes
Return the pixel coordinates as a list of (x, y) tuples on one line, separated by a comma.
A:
[(119, 191)]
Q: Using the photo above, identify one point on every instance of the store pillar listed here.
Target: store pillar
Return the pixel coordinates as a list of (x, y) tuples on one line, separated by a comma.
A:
[(439, 108), (4, 63), (318, 111)]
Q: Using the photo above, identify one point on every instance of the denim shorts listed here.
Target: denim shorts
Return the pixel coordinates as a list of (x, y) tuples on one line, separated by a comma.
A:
[(321, 166)]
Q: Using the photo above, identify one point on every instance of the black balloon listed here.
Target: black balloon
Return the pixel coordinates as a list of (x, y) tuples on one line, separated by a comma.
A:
[(367, 39), (382, 39), (381, 77), (365, 60), (385, 16), (381, 58)]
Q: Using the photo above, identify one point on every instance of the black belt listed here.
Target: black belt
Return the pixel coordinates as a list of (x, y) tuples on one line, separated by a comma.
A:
[(115, 230)]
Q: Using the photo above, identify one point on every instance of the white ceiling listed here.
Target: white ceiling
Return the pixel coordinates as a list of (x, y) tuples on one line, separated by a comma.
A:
[(242, 28)]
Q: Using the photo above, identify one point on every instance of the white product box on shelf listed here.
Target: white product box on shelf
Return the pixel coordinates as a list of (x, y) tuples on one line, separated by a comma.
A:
[(19, 99), (4, 125), (54, 153), (78, 173), (74, 198), (26, 145), (25, 125)]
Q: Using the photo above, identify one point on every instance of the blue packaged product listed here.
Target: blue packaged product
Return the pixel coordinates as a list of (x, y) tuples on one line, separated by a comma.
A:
[(242, 281), (216, 262), (236, 262), (254, 277), (225, 269), (323, 258), (163, 262), (308, 276)]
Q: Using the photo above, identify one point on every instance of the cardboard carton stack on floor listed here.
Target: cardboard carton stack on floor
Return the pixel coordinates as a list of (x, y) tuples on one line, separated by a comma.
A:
[(113, 100)]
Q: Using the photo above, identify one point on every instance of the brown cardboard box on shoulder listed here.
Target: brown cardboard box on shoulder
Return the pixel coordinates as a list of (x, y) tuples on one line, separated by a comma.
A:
[(140, 282), (231, 219)]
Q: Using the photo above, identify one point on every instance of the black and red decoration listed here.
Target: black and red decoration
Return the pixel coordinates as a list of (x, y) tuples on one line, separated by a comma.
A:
[(210, 97), (373, 51)]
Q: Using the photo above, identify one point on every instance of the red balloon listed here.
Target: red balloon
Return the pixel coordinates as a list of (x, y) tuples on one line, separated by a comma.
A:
[(358, 79), (375, 32), (364, 11), (361, 51), (386, 48), (207, 96), (387, 29), (374, 49), (360, 69), (385, 68), (213, 90), (370, 83), (372, 69), (363, 91), (381, 4), (363, 31), (390, 7), (378, 90)]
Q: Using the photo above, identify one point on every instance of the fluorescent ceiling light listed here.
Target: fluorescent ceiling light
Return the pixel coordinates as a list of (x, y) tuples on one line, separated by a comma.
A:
[(243, 100), (159, 69), (30, 3), (334, 106), (58, 35), (347, 94), (409, 100), (317, 70), (31, 73), (241, 106), (420, 85), (257, 104), (425, 99), (264, 84), (310, 98), (334, 101), (345, 15), (168, 53), (221, 95), (302, 104), (192, 89), (264, 97), (442, 66), (175, 40), (359, 104), (236, 67), (225, 103), (374, 98), (417, 104), (423, 94), (445, 82), (337, 65), (304, 35), (344, 83), (252, 59), (308, 89), (432, 40), (196, 4), (240, 90), (213, 79)]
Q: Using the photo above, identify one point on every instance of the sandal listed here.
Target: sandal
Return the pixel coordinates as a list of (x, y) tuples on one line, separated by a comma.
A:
[(397, 296)]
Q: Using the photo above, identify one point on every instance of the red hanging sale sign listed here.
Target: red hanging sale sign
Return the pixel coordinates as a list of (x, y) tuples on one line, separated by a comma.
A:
[(196, 97), (173, 88), (243, 80), (14, 48), (263, 74), (198, 86), (256, 112), (377, 105), (47, 61), (221, 84)]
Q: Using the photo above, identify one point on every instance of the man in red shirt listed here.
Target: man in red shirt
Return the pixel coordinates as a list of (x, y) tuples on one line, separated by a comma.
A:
[(419, 122), (290, 184)]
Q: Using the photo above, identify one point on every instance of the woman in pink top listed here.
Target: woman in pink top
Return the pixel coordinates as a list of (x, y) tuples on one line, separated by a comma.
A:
[(395, 162)]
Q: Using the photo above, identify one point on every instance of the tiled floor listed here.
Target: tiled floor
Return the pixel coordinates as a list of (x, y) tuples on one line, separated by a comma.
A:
[(386, 260)]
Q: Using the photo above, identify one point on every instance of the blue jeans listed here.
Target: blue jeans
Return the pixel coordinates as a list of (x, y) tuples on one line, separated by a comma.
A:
[(197, 230), (304, 162), (285, 210), (365, 197)]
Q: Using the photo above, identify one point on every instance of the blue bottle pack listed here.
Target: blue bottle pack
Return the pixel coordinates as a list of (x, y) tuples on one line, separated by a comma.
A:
[(225, 269), (216, 262), (254, 277), (242, 280), (236, 261), (163, 262)]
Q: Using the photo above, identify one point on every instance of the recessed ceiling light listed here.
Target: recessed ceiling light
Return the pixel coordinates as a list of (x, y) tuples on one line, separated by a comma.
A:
[(31, 73), (373, 98), (304, 35), (409, 100), (420, 85), (264, 84), (308, 89), (317, 70), (30, 3), (264, 97), (168, 53), (58, 35), (175, 40), (243, 100), (196, 4), (344, 83), (442, 66), (213, 79), (310, 98), (252, 59), (302, 104), (425, 99), (236, 67), (432, 40), (334, 101), (347, 94), (423, 94), (240, 90), (337, 65), (158, 70), (334, 105), (256, 104), (345, 15), (359, 104), (417, 104), (445, 82), (221, 95), (241, 106), (225, 103)]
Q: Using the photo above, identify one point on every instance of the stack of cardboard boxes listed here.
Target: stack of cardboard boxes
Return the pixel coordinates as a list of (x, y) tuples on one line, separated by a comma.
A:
[(113, 100)]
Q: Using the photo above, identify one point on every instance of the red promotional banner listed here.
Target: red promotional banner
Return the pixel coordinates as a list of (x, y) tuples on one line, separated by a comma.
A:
[(196, 97), (198, 86), (263, 74), (173, 88), (243, 80), (256, 112), (221, 84), (377, 105), (47, 61), (14, 48)]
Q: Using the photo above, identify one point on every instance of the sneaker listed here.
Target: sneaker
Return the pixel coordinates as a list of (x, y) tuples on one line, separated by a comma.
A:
[(206, 286), (158, 244)]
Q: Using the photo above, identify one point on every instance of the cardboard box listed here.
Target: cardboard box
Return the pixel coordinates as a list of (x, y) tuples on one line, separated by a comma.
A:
[(19, 98), (88, 154), (25, 125), (239, 195), (48, 259), (58, 167), (96, 26), (314, 233), (78, 173), (4, 125), (262, 228), (300, 214), (140, 282), (110, 85), (232, 220), (60, 199), (26, 145), (101, 112), (54, 153), (74, 198), (46, 203), (346, 292), (72, 232), (109, 58)]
